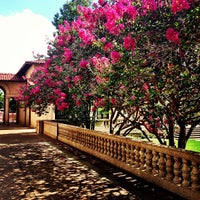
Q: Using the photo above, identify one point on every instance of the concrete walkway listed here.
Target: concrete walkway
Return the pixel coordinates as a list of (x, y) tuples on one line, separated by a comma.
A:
[(34, 167)]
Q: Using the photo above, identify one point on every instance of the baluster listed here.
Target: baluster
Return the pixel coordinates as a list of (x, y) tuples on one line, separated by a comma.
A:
[(94, 142), (162, 165), (105, 146), (132, 154), (112, 149), (155, 162), (119, 151), (186, 173), (142, 158), (91, 141), (137, 156), (99, 144), (108, 147), (177, 171), (85, 140), (82, 139), (149, 160), (169, 168), (102, 145), (127, 153), (195, 176), (115, 149), (123, 150)]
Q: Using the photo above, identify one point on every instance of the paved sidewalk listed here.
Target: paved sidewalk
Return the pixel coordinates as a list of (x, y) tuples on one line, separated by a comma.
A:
[(34, 167)]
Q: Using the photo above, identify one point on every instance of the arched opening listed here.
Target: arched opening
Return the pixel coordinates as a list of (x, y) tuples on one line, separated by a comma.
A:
[(2, 105), (12, 110)]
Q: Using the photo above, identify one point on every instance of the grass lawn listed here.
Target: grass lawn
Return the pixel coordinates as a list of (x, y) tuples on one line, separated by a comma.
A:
[(193, 145)]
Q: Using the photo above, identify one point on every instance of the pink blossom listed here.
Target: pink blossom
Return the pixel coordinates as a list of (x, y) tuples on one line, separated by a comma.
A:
[(149, 127), (100, 63), (86, 36), (108, 47), (62, 95), (27, 98), (115, 56), (100, 80), (76, 79), (85, 95), (101, 2), (99, 102), (83, 63), (61, 105), (114, 28), (132, 11), (73, 96), (78, 102), (103, 39), (94, 108), (69, 86), (67, 78), (179, 5), (57, 91), (64, 28), (124, 7), (129, 43), (149, 5), (133, 97), (59, 68), (151, 118), (172, 36), (68, 54), (35, 90), (114, 101), (145, 86), (65, 105), (112, 15)]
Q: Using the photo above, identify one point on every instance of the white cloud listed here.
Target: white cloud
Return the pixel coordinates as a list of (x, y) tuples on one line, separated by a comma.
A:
[(20, 35)]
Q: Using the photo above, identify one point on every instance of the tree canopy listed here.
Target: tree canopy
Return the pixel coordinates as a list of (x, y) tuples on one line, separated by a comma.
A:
[(139, 59), (68, 12)]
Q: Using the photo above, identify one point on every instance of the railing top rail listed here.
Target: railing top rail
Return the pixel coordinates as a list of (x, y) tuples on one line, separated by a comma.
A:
[(175, 152)]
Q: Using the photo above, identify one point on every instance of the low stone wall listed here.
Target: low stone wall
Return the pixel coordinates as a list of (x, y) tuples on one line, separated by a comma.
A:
[(175, 170)]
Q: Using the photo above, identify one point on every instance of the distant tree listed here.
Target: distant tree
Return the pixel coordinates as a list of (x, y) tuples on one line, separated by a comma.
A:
[(68, 12)]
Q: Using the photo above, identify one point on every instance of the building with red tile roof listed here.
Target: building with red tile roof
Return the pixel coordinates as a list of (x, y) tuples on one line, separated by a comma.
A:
[(10, 85)]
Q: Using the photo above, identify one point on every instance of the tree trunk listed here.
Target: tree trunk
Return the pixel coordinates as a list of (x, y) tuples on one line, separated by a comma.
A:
[(171, 133), (182, 135)]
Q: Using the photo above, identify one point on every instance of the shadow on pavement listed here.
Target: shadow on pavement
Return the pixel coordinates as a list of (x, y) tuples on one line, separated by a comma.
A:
[(35, 167)]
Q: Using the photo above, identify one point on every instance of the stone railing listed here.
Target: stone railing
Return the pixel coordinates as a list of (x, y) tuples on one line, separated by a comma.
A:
[(175, 170)]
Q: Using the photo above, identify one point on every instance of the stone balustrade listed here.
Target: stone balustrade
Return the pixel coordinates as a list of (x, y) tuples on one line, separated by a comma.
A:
[(175, 170)]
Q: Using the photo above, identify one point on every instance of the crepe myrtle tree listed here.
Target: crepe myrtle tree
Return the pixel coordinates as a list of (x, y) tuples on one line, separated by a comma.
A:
[(148, 63), (138, 59)]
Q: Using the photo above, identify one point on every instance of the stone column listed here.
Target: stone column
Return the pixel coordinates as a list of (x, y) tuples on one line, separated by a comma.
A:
[(6, 111)]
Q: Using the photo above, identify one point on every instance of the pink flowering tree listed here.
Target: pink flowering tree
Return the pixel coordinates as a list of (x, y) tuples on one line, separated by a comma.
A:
[(152, 79), (137, 59)]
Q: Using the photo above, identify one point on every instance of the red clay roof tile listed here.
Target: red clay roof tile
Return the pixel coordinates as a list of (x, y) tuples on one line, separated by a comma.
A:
[(10, 77)]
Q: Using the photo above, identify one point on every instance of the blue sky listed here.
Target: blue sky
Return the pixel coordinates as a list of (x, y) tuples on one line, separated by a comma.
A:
[(47, 8), (25, 28)]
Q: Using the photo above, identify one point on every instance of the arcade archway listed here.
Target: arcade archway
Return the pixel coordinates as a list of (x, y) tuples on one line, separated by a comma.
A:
[(2, 105)]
